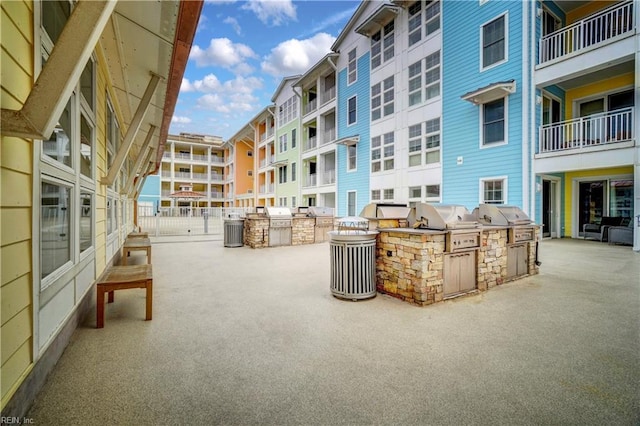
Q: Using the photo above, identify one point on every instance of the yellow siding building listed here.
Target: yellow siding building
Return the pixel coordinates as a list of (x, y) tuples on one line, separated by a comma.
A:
[(82, 126)]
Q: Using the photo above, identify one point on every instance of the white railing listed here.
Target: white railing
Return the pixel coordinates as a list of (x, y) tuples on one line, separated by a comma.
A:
[(310, 143), (182, 156), (166, 174), (329, 136), (271, 188), (198, 157), (328, 177), (593, 130), (263, 162), (272, 159), (166, 192), (261, 189), (311, 106), (217, 177), (166, 155), (595, 29), (310, 180), (328, 95), (217, 196), (217, 160), (199, 176)]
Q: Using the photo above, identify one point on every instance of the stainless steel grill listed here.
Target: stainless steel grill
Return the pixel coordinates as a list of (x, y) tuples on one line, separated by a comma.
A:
[(386, 215), (324, 222), (499, 215), (280, 224), (443, 217)]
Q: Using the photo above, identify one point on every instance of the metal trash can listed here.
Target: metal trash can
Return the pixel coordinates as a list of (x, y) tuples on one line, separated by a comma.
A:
[(233, 231), (353, 259)]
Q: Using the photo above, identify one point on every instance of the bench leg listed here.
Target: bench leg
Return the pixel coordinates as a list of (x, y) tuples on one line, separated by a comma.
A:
[(125, 254), (149, 288), (100, 307)]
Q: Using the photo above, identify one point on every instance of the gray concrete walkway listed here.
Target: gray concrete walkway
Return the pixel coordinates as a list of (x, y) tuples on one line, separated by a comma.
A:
[(244, 336)]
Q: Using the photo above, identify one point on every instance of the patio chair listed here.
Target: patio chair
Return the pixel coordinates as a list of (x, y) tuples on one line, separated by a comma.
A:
[(600, 231), (621, 234)]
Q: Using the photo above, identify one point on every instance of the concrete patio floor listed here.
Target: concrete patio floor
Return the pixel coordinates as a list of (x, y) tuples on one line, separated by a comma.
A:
[(242, 336)]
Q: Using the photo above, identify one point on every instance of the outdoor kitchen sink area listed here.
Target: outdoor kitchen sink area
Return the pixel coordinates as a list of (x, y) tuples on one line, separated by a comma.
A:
[(446, 251)]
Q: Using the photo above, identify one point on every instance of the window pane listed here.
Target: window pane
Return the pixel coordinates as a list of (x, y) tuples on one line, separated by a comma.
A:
[(432, 157), (58, 146), (415, 192), (86, 83), (85, 221), (86, 148), (414, 160), (54, 17), (55, 230), (388, 164), (415, 98), (433, 191)]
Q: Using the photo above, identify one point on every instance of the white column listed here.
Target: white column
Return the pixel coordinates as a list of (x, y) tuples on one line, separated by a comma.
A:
[(636, 125)]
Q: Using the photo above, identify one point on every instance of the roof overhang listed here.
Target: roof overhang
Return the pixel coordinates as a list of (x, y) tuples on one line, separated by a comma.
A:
[(279, 163), (348, 140), (491, 92), (377, 19), (321, 67)]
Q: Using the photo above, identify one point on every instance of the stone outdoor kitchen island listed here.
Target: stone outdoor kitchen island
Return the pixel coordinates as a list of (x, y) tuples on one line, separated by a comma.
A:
[(427, 266)]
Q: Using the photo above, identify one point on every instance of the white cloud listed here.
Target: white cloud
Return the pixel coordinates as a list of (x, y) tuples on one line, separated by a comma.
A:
[(232, 96), (180, 120), (296, 56), (234, 24), (186, 86), (221, 52), (219, 1), (272, 12)]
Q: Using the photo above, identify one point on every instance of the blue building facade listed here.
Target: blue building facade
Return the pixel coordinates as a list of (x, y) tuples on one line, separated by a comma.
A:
[(486, 97), (353, 182)]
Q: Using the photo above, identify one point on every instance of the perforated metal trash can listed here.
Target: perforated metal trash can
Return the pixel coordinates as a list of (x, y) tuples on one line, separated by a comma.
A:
[(353, 261), (233, 232)]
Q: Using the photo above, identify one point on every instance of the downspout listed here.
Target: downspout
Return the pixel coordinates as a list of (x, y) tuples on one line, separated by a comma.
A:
[(527, 193), (532, 115)]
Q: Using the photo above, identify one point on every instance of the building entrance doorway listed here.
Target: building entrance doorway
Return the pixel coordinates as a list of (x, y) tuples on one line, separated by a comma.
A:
[(550, 209)]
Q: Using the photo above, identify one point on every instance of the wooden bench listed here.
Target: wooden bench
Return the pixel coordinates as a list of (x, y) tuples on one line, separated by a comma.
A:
[(136, 244), (121, 278)]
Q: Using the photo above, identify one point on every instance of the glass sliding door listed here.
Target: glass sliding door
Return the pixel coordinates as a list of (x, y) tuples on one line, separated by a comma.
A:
[(591, 199)]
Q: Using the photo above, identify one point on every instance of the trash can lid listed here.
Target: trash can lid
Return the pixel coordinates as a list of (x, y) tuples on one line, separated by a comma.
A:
[(353, 223)]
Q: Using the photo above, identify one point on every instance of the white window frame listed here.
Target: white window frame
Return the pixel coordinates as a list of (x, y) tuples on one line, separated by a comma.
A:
[(352, 67), (282, 175), (505, 188), (282, 143), (376, 195), (506, 125), (388, 95), (506, 42), (355, 98), (385, 194), (433, 199), (355, 202), (293, 172), (421, 78), (427, 149), (354, 149), (422, 18)]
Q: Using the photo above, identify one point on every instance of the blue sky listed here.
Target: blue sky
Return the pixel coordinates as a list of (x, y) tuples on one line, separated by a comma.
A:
[(241, 51)]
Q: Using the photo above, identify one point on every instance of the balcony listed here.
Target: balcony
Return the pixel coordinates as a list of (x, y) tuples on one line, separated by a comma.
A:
[(217, 177), (328, 177), (217, 160), (586, 133), (311, 106), (592, 31), (328, 136), (310, 143), (216, 195), (310, 180), (328, 95)]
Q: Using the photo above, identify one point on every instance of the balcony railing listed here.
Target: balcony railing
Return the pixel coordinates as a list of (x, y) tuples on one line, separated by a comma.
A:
[(310, 180), (271, 188), (311, 106), (593, 30), (328, 177), (217, 195), (310, 143), (328, 95), (328, 136), (263, 162), (584, 132), (217, 178), (217, 160)]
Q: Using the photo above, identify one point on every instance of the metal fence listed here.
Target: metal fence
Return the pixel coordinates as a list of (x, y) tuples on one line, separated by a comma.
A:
[(187, 220)]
